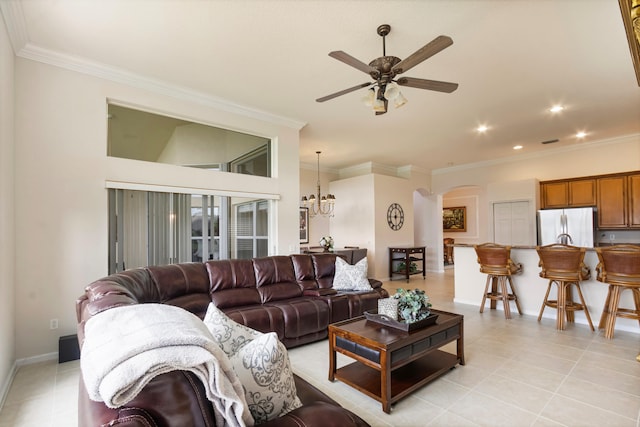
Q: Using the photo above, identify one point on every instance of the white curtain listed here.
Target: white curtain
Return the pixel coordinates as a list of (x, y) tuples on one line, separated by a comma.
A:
[(182, 227)]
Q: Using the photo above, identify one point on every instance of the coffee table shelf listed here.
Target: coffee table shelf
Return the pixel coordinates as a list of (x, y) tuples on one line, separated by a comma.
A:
[(390, 363), (404, 380)]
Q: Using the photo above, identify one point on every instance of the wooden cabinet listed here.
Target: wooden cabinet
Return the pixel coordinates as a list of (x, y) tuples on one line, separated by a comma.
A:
[(619, 201), (555, 194), (582, 192), (616, 197), (612, 209), (633, 182), (568, 193)]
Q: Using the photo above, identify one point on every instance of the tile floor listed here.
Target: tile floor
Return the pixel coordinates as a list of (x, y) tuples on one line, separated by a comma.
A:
[(518, 373)]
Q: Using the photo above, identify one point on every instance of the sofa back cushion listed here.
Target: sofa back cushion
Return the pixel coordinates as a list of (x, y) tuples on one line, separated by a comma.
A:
[(325, 267), (183, 285), (233, 283), (275, 278), (304, 271)]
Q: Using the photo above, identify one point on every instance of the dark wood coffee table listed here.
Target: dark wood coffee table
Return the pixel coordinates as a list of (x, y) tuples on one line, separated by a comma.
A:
[(390, 363)]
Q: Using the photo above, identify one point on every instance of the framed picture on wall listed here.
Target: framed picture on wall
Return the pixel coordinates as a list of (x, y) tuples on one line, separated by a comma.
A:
[(454, 219), (304, 225)]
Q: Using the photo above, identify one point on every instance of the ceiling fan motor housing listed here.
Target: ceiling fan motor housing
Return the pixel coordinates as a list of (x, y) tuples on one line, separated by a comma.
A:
[(384, 65)]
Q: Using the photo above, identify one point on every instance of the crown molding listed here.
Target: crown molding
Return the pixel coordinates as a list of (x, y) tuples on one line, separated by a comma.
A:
[(118, 75), (15, 23), (23, 48)]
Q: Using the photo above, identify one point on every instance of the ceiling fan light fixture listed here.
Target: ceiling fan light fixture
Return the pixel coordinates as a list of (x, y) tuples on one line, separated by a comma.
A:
[(400, 100), (391, 91), (378, 106), (368, 99)]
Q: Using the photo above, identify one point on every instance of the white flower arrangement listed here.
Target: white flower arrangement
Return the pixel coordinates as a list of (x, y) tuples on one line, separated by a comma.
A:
[(327, 242)]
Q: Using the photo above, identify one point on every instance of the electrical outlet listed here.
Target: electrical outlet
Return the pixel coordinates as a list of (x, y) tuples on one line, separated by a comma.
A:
[(612, 237), (53, 324)]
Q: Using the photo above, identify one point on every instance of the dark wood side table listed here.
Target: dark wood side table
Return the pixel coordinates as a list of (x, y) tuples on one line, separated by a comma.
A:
[(391, 363), (407, 255)]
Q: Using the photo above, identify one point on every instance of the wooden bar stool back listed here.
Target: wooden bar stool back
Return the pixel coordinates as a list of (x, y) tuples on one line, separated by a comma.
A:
[(619, 267), (447, 245), (495, 260), (564, 266)]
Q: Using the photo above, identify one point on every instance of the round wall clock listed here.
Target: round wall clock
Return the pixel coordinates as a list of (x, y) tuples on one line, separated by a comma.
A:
[(395, 216)]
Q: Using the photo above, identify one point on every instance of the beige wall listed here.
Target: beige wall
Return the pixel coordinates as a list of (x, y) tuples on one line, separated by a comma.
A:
[(61, 169), (7, 218)]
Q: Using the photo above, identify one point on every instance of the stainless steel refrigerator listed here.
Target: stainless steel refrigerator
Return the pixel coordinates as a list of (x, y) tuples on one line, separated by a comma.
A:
[(572, 226)]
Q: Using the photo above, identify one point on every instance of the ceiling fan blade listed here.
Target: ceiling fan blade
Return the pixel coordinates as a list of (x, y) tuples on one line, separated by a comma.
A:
[(342, 92), (426, 51), (355, 63), (427, 84)]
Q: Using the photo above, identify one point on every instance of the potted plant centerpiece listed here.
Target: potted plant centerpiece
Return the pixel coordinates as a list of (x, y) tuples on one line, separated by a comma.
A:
[(413, 305)]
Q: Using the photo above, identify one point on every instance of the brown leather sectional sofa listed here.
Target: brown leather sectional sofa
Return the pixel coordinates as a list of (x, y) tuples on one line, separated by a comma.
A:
[(290, 295)]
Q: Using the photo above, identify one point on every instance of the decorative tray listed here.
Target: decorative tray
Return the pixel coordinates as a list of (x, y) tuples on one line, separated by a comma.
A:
[(373, 316)]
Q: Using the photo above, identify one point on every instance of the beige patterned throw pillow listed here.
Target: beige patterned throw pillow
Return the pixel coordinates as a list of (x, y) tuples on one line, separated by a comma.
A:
[(261, 362), (351, 277)]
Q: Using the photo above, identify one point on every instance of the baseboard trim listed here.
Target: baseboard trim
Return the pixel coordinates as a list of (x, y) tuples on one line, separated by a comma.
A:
[(4, 392)]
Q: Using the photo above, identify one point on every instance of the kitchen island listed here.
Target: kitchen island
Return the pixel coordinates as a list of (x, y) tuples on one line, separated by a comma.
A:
[(531, 288)]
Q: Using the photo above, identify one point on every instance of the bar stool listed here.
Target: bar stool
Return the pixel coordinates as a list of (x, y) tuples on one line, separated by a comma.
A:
[(495, 260), (447, 246), (564, 266), (619, 267)]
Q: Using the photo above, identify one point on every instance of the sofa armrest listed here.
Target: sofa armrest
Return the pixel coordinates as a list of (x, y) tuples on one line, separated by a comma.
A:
[(318, 414), (320, 292), (375, 283)]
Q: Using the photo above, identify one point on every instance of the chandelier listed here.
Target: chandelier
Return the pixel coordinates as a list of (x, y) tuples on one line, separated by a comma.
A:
[(319, 205)]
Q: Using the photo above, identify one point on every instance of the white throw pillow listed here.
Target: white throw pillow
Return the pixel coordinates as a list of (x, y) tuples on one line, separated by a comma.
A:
[(264, 370), (260, 361), (351, 277), (229, 335)]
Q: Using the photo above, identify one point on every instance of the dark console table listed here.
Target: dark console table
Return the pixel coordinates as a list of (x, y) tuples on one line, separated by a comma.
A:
[(406, 255)]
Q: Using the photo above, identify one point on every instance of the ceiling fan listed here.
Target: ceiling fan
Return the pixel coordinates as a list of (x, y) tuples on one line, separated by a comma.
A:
[(385, 69)]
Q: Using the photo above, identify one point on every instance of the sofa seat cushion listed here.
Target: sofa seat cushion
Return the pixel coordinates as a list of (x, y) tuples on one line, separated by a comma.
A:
[(279, 291), (303, 316), (262, 318), (359, 302), (235, 297), (338, 307)]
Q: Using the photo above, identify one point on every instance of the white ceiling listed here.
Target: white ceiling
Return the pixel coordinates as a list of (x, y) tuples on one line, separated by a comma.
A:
[(512, 59)]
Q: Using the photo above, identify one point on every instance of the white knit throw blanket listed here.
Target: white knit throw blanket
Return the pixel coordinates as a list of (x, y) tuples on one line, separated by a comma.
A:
[(126, 347)]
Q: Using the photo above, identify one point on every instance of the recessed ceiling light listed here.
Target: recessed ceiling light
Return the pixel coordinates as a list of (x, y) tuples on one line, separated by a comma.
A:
[(581, 134), (482, 128), (556, 108), (517, 147)]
